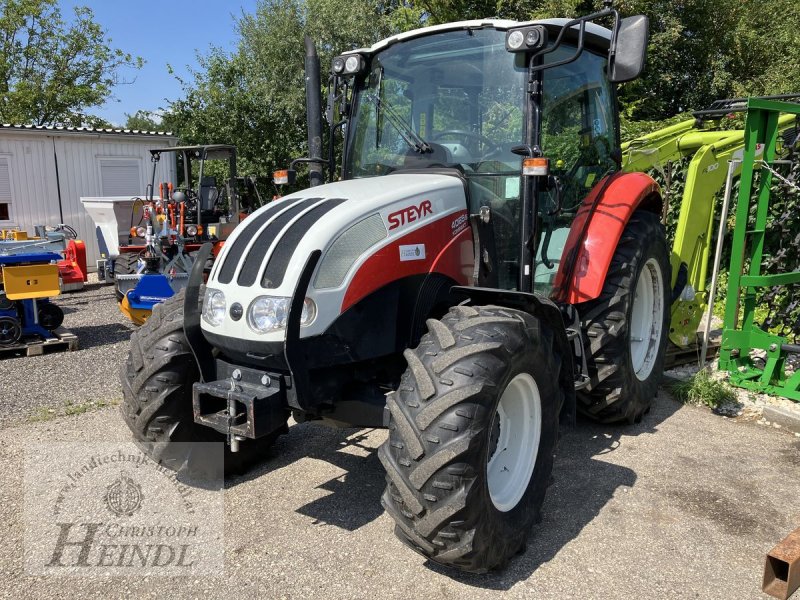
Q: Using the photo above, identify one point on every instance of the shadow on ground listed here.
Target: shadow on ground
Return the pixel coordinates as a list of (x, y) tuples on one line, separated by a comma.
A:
[(583, 483), (92, 336), (354, 498)]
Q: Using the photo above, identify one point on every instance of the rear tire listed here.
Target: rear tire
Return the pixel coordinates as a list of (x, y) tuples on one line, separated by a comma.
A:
[(157, 380), (466, 470), (627, 325)]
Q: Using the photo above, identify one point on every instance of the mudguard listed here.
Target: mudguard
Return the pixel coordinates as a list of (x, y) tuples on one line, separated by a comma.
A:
[(596, 231)]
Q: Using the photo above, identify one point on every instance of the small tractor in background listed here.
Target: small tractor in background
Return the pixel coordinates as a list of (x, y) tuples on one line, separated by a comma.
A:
[(482, 269), (168, 227), (32, 271)]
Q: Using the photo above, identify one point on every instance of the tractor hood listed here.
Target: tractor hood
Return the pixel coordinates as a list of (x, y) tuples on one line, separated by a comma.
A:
[(370, 231)]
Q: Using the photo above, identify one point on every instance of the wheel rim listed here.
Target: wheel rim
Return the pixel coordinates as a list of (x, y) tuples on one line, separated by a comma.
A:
[(647, 319), (10, 331), (518, 429)]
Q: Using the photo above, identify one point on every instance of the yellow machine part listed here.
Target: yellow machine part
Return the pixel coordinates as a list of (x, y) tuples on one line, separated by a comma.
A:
[(31, 281), (137, 315), (15, 235)]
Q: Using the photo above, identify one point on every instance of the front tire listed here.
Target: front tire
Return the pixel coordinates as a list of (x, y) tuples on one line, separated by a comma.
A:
[(157, 380), (472, 432), (627, 325)]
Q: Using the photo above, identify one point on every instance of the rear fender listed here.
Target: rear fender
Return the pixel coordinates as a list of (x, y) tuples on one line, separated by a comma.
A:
[(596, 231), (545, 310)]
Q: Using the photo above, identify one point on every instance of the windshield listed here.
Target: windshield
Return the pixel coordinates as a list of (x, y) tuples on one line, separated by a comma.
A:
[(454, 99)]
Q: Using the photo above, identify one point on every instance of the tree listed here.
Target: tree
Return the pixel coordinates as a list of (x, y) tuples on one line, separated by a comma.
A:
[(144, 120), (52, 71), (255, 97)]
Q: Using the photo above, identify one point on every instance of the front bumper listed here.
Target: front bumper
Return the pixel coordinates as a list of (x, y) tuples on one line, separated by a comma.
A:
[(242, 402)]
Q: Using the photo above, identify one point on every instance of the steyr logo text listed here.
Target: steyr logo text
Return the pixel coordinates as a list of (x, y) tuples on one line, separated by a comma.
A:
[(409, 214)]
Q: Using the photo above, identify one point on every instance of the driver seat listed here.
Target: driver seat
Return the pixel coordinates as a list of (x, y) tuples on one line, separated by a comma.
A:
[(208, 193)]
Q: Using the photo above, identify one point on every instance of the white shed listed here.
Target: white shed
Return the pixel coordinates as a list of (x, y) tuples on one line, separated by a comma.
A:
[(44, 171)]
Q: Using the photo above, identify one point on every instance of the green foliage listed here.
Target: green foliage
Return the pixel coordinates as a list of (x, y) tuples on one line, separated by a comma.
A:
[(704, 390), (255, 97), (52, 71), (143, 120)]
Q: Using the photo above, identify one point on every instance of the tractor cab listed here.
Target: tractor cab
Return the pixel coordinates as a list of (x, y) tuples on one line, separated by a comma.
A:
[(480, 98)]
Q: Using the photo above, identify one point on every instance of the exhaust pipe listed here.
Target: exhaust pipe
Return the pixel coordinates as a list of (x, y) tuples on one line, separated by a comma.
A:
[(782, 569), (313, 112)]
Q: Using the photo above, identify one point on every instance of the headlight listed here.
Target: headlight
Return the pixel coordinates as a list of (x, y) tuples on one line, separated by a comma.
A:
[(351, 64), (191, 230), (214, 307), (515, 39), (270, 313), (267, 313)]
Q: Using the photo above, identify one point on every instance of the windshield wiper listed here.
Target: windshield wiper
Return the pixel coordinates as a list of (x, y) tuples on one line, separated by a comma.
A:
[(410, 137)]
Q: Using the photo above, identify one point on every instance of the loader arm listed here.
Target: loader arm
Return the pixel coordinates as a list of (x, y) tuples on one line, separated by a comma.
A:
[(709, 152)]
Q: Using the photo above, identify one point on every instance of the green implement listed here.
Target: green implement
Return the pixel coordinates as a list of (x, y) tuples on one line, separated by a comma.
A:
[(762, 141)]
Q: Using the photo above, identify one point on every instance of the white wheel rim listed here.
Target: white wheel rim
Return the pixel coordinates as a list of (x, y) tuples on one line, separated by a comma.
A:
[(647, 319), (510, 466)]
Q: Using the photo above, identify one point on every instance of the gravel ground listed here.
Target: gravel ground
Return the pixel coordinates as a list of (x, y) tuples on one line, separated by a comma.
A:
[(684, 505), (45, 385)]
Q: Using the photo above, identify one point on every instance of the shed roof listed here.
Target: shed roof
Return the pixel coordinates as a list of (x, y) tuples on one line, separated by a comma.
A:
[(64, 129)]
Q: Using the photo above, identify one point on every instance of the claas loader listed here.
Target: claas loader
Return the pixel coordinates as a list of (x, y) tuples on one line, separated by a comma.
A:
[(476, 269)]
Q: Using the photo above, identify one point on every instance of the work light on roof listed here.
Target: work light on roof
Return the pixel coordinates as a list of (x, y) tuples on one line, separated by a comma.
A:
[(347, 65), (525, 39)]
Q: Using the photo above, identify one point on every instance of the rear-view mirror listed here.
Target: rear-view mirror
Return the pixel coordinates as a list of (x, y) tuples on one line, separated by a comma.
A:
[(627, 56)]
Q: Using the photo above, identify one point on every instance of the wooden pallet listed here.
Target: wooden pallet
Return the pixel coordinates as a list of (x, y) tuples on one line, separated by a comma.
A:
[(676, 356), (35, 346)]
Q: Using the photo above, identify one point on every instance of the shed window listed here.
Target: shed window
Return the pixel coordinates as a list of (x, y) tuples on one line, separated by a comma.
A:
[(120, 177), (5, 190)]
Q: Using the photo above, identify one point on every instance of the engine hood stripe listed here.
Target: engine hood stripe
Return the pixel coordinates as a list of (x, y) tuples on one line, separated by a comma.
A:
[(276, 267), (255, 256), (237, 247)]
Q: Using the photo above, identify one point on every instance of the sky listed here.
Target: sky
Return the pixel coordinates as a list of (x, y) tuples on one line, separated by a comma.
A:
[(161, 32)]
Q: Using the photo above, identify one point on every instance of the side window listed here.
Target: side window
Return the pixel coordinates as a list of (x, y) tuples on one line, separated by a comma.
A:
[(578, 130)]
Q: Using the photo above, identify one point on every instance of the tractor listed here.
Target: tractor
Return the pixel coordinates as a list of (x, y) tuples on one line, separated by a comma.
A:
[(172, 225), (476, 268)]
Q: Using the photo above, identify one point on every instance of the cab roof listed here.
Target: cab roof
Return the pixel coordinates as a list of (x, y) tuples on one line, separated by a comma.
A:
[(597, 37)]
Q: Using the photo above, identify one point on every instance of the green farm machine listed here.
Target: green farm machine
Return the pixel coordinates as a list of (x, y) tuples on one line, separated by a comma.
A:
[(718, 150)]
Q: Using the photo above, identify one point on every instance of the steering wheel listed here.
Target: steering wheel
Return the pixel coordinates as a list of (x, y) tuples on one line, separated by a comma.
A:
[(492, 145)]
